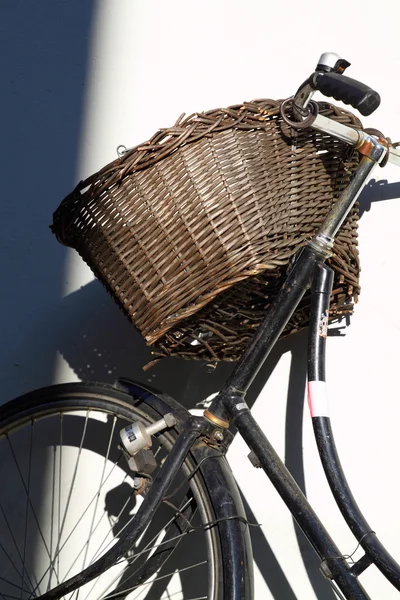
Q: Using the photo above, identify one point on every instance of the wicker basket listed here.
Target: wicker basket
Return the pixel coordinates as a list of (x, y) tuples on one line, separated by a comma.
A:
[(192, 232)]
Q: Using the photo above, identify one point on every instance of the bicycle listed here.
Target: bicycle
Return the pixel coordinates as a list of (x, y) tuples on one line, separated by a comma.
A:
[(172, 464)]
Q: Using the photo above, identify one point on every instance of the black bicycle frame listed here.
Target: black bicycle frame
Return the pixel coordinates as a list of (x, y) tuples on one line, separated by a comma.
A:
[(230, 407)]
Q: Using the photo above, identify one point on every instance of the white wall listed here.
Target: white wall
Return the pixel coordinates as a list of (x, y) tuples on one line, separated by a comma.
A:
[(79, 81)]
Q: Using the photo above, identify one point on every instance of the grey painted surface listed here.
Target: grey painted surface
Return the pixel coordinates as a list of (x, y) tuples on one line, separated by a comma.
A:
[(43, 64)]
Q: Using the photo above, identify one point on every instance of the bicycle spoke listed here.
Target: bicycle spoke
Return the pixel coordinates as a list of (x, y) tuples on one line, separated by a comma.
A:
[(132, 589), (62, 524), (83, 548), (59, 489), (147, 548), (99, 490), (108, 546), (83, 514), (9, 596), (27, 504), (52, 511), (106, 536), (98, 496), (73, 479), (29, 500), (13, 585), (104, 539), (88, 503), (10, 560), (74, 529), (16, 546)]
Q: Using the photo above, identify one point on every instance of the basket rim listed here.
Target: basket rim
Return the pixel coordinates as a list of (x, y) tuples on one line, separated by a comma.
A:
[(251, 115)]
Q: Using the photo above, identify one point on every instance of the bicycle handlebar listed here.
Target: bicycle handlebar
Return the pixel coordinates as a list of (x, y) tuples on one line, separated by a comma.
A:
[(353, 137), (347, 90), (328, 78)]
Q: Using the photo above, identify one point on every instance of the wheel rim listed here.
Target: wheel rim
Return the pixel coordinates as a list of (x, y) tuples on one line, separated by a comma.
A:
[(68, 483)]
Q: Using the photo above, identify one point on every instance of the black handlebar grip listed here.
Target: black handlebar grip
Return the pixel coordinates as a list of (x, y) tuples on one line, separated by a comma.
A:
[(347, 90)]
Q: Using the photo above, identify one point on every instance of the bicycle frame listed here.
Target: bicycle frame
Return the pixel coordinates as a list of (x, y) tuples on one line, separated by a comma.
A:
[(229, 407)]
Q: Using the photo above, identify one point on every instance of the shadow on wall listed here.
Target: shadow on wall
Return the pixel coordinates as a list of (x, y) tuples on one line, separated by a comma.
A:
[(376, 191), (43, 64)]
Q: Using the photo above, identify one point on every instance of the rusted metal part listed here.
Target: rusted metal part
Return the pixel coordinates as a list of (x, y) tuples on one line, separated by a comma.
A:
[(365, 147), (383, 141), (375, 149), (144, 484)]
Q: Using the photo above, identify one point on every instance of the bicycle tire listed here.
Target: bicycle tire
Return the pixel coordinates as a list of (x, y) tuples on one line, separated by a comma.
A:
[(84, 413)]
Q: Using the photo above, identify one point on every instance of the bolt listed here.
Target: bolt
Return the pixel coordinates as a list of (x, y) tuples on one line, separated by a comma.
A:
[(218, 435)]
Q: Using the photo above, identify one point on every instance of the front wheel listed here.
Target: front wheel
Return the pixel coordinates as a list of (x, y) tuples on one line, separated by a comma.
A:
[(67, 495)]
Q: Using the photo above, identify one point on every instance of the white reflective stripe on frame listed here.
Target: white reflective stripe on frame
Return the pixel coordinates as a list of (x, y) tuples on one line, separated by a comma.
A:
[(318, 399)]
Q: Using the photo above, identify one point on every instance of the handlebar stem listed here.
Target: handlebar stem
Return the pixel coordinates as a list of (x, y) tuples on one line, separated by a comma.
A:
[(342, 207)]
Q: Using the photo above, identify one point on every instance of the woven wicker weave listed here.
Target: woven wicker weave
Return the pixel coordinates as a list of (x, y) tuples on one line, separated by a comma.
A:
[(192, 232)]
